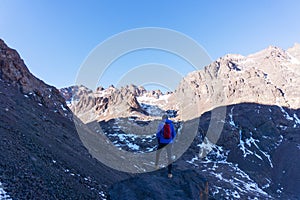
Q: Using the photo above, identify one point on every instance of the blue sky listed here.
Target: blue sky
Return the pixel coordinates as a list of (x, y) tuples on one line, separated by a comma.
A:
[(55, 37)]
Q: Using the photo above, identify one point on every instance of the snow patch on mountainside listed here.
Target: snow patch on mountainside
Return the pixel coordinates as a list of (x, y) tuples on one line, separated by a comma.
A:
[(257, 150), (160, 101), (129, 141), (3, 194), (230, 181), (297, 120)]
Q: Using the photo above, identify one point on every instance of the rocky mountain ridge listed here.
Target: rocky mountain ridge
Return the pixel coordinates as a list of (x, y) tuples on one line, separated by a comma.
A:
[(110, 103), (14, 71), (266, 77)]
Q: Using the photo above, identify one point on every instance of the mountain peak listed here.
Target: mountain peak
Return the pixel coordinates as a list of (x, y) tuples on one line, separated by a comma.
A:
[(233, 57), (271, 52)]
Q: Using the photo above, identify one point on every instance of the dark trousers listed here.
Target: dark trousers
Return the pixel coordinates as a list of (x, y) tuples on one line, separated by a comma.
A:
[(169, 154)]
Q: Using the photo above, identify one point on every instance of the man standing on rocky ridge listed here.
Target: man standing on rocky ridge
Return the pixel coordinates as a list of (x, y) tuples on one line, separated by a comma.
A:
[(165, 136)]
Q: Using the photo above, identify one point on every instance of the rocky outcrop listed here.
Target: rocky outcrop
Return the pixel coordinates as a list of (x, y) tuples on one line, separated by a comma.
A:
[(14, 71), (187, 184), (135, 90)]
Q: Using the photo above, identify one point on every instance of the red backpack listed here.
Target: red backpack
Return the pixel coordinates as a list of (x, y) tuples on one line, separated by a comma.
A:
[(167, 131)]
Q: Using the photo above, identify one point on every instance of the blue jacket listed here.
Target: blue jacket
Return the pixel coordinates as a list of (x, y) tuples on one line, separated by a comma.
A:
[(159, 133)]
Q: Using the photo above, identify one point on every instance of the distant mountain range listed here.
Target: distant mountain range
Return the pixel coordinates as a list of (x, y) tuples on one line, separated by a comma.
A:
[(268, 77), (255, 157)]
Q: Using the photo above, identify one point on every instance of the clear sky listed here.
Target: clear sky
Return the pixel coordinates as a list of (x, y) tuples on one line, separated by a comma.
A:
[(55, 37)]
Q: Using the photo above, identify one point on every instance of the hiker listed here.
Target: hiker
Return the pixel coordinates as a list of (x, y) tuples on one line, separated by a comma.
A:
[(165, 136)]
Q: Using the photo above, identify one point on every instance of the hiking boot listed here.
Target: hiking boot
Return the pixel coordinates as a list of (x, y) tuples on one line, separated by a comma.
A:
[(170, 175)]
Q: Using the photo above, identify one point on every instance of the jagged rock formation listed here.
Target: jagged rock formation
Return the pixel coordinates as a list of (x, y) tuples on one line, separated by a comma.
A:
[(110, 103), (14, 71), (103, 104)]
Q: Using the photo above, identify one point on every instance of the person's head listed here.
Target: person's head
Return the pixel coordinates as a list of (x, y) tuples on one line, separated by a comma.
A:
[(164, 117)]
